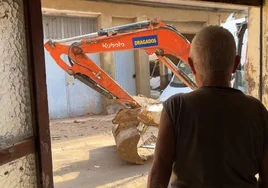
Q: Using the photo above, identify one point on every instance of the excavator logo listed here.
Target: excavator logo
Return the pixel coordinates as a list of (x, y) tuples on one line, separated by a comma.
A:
[(113, 45), (147, 41)]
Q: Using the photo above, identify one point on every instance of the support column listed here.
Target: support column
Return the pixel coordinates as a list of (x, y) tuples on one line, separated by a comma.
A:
[(142, 69), (164, 77), (106, 59)]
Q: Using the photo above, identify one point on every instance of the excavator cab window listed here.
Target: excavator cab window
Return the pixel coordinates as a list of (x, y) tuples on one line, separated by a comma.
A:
[(175, 81), (176, 85)]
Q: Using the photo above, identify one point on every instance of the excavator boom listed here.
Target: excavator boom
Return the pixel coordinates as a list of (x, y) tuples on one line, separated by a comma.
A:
[(152, 36)]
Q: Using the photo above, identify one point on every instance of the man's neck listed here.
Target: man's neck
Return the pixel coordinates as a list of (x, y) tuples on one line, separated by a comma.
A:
[(213, 83), (217, 79)]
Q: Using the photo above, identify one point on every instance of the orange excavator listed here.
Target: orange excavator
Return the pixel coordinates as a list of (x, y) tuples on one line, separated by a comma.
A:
[(137, 113)]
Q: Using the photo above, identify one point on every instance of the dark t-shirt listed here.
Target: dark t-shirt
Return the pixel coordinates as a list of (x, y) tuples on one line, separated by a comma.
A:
[(220, 134)]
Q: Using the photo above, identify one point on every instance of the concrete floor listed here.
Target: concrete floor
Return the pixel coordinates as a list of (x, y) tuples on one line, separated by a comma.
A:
[(84, 155)]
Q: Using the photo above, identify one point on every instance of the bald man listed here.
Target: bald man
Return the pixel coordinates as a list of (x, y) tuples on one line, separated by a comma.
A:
[(215, 136)]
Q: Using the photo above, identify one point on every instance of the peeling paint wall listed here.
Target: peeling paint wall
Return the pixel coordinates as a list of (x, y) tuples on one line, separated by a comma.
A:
[(264, 55), (15, 104), (252, 67)]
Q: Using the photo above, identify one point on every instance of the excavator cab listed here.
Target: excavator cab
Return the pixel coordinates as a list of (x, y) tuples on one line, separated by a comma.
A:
[(175, 85)]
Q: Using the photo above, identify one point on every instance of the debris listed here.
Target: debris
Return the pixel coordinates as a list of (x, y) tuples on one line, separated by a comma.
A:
[(56, 137), (148, 146), (151, 141)]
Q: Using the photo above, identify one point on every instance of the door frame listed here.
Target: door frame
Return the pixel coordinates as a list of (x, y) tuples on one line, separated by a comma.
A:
[(37, 74), (40, 144)]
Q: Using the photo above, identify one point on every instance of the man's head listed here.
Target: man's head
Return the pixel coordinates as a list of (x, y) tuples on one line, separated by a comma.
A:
[(213, 56)]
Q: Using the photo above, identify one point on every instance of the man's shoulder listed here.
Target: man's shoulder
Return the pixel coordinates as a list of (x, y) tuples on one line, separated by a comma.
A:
[(256, 102), (174, 100), (179, 96), (197, 94)]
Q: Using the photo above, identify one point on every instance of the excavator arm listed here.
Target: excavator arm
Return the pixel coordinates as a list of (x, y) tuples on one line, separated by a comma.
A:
[(153, 36)]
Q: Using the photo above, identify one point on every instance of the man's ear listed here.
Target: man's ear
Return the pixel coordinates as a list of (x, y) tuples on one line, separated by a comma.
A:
[(237, 62), (191, 64)]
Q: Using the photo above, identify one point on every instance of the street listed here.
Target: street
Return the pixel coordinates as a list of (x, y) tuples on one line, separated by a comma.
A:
[(84, 155)]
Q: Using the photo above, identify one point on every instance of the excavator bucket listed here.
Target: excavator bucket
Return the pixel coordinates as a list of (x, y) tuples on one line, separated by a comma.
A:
[(127, 137), (130, 126)]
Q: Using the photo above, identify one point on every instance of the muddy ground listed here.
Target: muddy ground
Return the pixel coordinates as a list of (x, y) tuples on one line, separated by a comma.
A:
[(84, 155)]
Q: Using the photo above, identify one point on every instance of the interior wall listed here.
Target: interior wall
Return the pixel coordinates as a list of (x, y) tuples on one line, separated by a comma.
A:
[(15, 103)]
